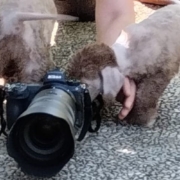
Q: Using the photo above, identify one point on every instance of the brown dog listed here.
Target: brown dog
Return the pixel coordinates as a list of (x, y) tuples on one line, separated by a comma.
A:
[(25, 38), (148, 52)]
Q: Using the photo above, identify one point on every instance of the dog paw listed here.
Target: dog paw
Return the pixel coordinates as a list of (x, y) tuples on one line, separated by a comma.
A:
[(142, 118)]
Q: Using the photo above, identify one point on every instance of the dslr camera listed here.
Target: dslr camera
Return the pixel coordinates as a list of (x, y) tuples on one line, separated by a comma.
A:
[(46, 119)]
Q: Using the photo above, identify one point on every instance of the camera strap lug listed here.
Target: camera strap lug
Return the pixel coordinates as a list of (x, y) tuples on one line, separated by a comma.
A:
[(92, 113), (88, 113), (97, 106), (2, 120)]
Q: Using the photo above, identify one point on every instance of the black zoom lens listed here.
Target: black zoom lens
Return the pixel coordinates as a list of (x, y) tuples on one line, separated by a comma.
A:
[(41, 140), (44, 135)]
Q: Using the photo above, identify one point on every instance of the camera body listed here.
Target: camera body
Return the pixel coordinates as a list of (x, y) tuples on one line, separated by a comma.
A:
[(19, 96), (45, 119)]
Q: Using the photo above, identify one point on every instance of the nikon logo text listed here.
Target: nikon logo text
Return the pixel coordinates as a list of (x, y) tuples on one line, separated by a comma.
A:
[(54, 77)]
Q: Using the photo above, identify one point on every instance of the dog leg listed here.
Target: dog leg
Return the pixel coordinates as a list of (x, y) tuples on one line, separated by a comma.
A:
[(149, 90)]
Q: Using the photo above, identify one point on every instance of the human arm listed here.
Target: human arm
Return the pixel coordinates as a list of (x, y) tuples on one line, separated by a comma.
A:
[(111, 17)]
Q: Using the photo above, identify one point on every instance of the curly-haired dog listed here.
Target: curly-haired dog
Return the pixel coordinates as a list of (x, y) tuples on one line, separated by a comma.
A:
[(25, 38), (148, 52)]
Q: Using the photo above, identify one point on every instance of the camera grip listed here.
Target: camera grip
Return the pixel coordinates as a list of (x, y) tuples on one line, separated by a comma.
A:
[(14, 108)]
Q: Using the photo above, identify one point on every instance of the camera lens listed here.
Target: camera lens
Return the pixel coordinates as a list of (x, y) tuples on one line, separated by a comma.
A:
[(42, 138), (45, 133)]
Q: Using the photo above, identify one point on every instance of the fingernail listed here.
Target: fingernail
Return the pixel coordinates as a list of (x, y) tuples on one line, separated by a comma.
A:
[(2, 81), (121, 117)]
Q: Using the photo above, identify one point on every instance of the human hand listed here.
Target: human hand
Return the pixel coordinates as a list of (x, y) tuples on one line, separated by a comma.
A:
[(127, 97), (2, 81)]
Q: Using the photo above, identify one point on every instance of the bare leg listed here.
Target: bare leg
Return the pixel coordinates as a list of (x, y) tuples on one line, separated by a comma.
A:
[(111, 17)]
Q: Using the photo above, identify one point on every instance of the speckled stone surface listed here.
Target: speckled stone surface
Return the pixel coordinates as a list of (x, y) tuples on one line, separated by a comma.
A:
[(117, 152)]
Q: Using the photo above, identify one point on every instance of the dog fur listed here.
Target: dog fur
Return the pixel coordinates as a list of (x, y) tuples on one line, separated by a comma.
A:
[(147, 52), (25, 38)]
